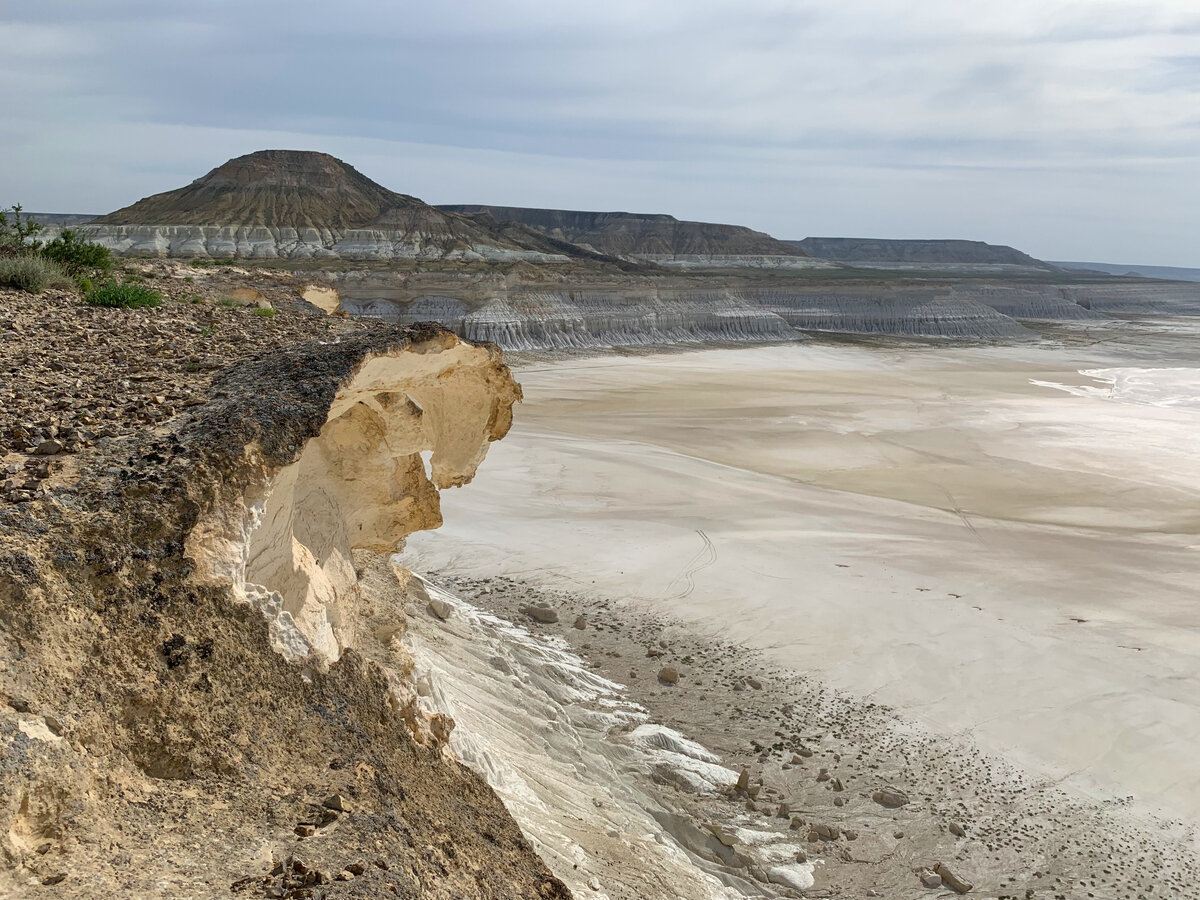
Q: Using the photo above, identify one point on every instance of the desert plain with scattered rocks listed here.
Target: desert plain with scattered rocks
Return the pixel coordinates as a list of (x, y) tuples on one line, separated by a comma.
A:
[(965, 573)]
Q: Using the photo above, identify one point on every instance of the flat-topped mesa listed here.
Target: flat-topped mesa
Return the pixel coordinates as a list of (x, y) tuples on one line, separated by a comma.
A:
[(653, 237), (922, 254)]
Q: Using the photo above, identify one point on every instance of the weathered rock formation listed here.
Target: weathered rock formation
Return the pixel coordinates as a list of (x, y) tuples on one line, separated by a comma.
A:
[(521, 313), (262, 242), (871, 252), (195, 705), (1044, 302), (657, 238), (297, 205), (1137, 298), (533, 320), (647, 312), (928, 312)]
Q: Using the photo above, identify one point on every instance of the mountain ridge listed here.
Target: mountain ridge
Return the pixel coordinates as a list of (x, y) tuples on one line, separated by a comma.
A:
[(635, 234)]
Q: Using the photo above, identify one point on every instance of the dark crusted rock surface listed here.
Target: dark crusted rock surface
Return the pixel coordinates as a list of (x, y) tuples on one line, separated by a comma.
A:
[(636, 234), (152, 743)]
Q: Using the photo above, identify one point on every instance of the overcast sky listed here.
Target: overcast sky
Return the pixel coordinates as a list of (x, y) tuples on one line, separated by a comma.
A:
[(1067, 128)]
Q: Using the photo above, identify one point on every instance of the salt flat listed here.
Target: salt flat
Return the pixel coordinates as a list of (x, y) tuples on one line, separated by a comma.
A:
[(922, 525)]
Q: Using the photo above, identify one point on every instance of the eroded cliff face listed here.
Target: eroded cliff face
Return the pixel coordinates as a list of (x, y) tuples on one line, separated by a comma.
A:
[(415, 241), (647, 314), (564, 312), (197, 703)]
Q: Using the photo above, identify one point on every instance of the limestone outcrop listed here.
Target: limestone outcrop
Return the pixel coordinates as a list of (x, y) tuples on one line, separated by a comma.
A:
[(158, 735)]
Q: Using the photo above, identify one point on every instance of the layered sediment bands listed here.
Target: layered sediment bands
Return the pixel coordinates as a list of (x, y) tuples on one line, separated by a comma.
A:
[(155, 741), (263, 242), (1139, 298), (733, 261), (1037, 302), (859, 251), (923, 313), (527, 320)]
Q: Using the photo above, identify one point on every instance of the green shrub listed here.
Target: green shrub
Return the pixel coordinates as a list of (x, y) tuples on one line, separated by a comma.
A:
[(30, 273), (85, 284), (264, 312), (76, 255), (126, 295), (189, 279), (15, 234)]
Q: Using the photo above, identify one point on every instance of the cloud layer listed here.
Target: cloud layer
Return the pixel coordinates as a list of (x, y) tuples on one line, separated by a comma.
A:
[(1070, 129)]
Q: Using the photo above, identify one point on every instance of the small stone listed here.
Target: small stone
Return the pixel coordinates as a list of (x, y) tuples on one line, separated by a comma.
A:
[(890, 797), (957, 830), (305, 830), (897, 834), (48, 448), (801, 856), (337, 802), (951, 880), (722, 834), (837, 785), (440, 608), (344, 875), (839, 801), (580, 622), (797, 822), (930, 879), (743, 782), (784, 811), (754, 682), (668, 675), (823, 775), (542, 614), (356, 868)]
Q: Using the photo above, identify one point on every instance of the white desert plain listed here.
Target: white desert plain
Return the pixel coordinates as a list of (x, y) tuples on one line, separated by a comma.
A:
[(996, 545)]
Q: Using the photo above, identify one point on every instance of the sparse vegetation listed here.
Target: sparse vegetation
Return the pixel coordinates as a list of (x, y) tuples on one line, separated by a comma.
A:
[(17, 233), (77, 256), (126, 295), (264, 312), (31, 273)]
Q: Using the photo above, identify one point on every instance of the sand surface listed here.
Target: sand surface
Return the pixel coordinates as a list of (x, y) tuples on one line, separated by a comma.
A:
[(923, 526)]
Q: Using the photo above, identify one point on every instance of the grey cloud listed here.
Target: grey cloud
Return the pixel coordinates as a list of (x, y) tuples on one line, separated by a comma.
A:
[(748, 102)]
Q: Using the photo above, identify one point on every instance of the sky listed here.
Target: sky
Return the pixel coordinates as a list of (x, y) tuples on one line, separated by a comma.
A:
[(1067, 128)]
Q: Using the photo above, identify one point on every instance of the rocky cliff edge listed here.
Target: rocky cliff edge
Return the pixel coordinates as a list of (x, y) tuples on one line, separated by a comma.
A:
[(188, 704)]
